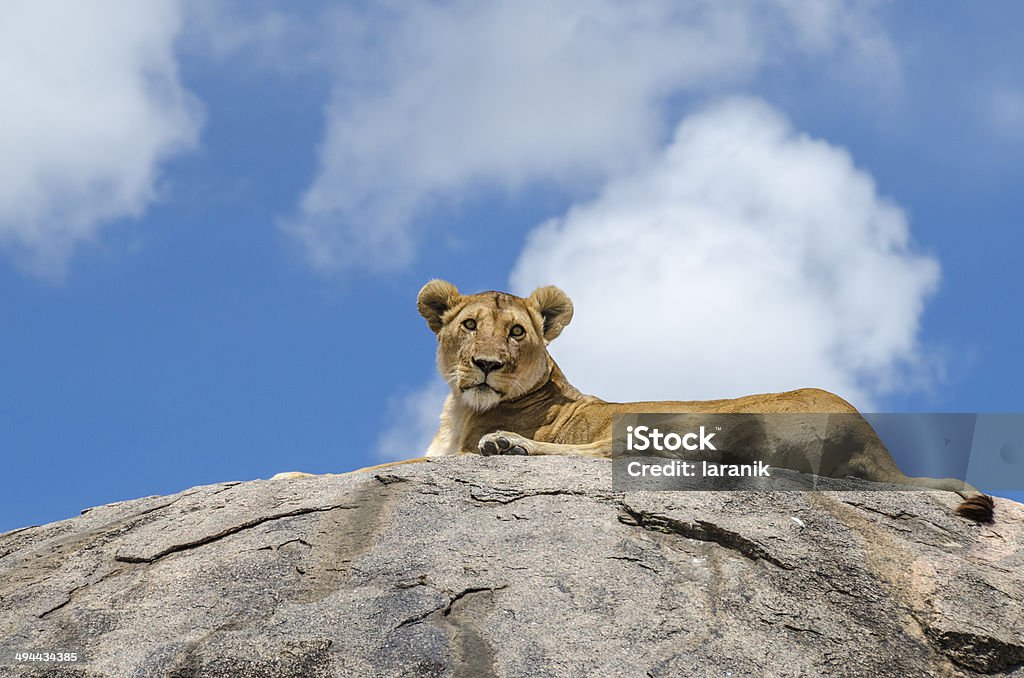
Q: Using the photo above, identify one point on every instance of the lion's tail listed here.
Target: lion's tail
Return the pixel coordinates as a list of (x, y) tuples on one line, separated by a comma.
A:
[(975, 506)]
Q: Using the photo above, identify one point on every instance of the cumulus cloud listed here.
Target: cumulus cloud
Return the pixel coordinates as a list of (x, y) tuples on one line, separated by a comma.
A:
[(413, 420), (433, 99), (90, 104), (747, 258)]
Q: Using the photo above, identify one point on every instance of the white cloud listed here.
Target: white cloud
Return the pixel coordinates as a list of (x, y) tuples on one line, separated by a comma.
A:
[(258, 34), (414, 418), (90, 104), (747, 258), (864, 53), (434, 99)]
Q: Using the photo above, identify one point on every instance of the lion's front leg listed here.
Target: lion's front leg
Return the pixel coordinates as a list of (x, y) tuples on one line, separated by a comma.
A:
[(507, 443)]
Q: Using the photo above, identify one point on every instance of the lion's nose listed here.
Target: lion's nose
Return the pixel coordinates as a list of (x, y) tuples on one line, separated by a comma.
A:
[(487, 366)]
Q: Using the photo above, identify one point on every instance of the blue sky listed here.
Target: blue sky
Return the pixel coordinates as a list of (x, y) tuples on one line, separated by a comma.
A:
[(214, 218)]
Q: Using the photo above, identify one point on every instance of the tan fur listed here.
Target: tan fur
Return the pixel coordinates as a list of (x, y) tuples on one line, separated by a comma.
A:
[(527, 406)]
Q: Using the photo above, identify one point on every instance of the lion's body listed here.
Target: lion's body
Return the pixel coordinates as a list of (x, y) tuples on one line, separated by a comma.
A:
[(509, 397), (558, 413)]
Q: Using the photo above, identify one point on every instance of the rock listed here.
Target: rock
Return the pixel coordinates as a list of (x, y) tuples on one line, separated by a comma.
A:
[(510, 566)]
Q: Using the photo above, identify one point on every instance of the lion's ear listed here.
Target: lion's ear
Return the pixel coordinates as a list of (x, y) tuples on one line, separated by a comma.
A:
[(434, 300), (555, 308)]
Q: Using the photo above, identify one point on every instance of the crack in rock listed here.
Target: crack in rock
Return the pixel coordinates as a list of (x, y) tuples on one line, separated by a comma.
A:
[(509, 496), (637, 561), (700, 530), (249, 524), (976, 651), (468, 592), (445, 609), (902, 515), (460, 617), (389, 479), (71, 594)]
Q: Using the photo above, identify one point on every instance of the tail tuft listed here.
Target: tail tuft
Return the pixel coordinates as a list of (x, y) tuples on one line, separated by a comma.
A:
[(980, 508)]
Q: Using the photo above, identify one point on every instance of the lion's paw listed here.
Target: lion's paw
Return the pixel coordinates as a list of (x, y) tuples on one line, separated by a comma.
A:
[(503, 442)]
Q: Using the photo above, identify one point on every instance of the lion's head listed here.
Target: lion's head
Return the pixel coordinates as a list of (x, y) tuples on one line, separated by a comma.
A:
[(492, 346)]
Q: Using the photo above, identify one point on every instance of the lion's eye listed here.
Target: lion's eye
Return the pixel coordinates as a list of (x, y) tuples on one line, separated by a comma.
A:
[(469, 324), (516, 332)]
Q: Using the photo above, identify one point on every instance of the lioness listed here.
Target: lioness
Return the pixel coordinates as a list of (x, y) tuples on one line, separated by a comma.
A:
[(509, 397)]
